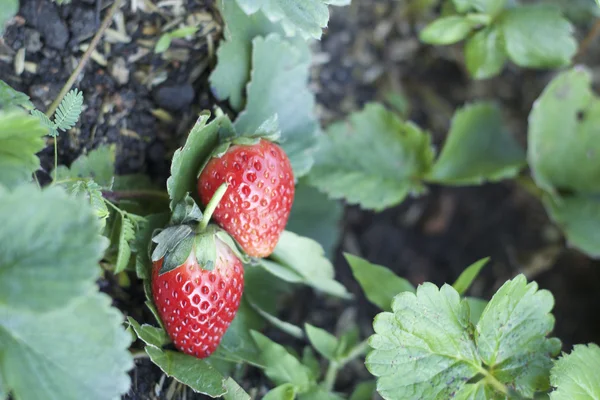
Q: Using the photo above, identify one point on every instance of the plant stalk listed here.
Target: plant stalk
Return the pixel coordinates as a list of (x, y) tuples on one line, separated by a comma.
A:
[(84, 59), (331, 375), (495, 383), (335, 366), (212, 206)]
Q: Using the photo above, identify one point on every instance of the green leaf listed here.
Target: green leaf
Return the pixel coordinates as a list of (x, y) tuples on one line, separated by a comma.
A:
[(374, 159), (428, 348), (143, 241), (306, 257), (478, 148), (491, 7), (310, 360), (280, 366), (188, 160), (46, 122), (284, 326), (564, 150), (183, 32), (196, 373), (20, 139), (163, 43), (98, 164), (575, 376), (447, 30), (229, 78), (7, 11), (92, 192), (319, 393), (537, 36), (51, 247), (287, 391), (324, 342), (364, 391), (484, 53), (237, 343), (467, 277), (379, 284), (579, 218), (68, 111), (149, 334), (317, 217), (10, 97), (279, 85), (234, 391), (476, 307), (126, 235), (75, 352)]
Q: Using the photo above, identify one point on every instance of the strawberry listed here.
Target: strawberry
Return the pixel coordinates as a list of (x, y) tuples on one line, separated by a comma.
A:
[(259, 196)]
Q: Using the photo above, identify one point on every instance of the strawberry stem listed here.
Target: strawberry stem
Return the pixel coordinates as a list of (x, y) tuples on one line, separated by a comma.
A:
[(211, 207)]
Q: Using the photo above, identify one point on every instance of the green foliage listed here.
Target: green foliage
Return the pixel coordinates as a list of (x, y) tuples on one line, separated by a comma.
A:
[(56, 330), (7, 11), (324, 342), (575, 375), (484, 53), (97, 165), (447, 30), (234, 391), (10, 97), (374, 159), (126, 235), (478, 149), (92, 192), (164, 42), (20, 139), (68, 111), (279, 85), (379, 284), (465, 279), (428, 347)]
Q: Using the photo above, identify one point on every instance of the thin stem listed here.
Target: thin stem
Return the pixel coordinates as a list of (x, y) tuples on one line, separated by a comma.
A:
[(211, 207), (334, 366), (495, 383), (587, 41), (358, 350), (55, 159), (331, 376), (84, 59), (527, 183)]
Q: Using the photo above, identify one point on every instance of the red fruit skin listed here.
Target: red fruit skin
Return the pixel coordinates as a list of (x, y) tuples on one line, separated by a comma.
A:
[(197, 305), (258, 200)]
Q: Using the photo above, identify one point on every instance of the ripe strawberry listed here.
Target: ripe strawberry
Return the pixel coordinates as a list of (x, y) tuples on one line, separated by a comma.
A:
[(259, 196), (195, 304)]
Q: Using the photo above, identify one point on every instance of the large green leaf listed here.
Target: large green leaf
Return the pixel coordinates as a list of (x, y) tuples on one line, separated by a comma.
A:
[(20, 139), (484, 53), (538, 36), (564, 142), (428, 348), (232, 72), (50, 247), (575, 375), (279, 85), (478, 148), (374, 159)]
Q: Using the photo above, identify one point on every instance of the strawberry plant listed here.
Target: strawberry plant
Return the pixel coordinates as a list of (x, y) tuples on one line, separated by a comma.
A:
[(249, 218)]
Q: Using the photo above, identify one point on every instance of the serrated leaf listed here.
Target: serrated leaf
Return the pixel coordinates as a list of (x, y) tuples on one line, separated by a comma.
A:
[(234, 391), (306, 257), (75, 352), (324, 342), (447, 30), (20, 139), (50, 246), (575, 375), (374, 159), (478, 148), (280, 366), (46, 122), (198, 374), (287, 391), (579, 218), (316, 216), (10, 97), (98, 164), (537, 36), (484, 53), (564, 145), (68, 111), (229, 78), (126, 235), (467, 277), (149, 334), (92, 192), (428, 348), (379, 284), (279, 85)]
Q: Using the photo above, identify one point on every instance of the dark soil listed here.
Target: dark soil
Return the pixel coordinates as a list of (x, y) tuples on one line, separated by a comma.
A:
[(370, 50)]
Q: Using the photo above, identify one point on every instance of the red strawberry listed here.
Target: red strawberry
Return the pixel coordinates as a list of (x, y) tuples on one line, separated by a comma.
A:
[(259, 197), (195, 304)]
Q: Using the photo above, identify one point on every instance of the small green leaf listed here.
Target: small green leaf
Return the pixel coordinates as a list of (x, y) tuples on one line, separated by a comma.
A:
[(281, 271), (10, 97), (279, 85), (92, 192), (98, 164), (379, 284), (234, 391), (198, 374), (7, 11), (287, 391), (374, 159), (126, 235), (564, 146), (163, 43), (538, 36), (183, 32), (46, 122), (280, 366), (306, 257), (20, 139), (319, 393), (364, 391), (150, 335), (579, 218), (476, 307), (284, 326), (143, 242), (575, 375), (68, 111), (324, 342), (447, 30), (491, 7), (467, 277), (478, 148), (310, 360), (484, 53)]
